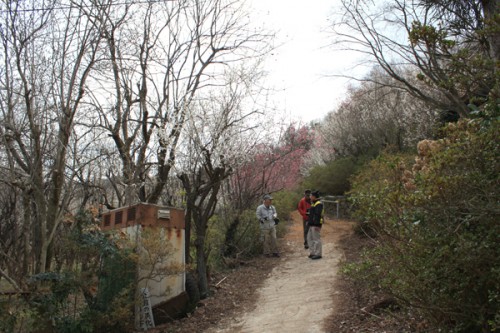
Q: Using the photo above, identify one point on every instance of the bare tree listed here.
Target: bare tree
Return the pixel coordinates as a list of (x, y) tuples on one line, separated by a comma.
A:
[(405, 35), (156, 72), (47, 56)]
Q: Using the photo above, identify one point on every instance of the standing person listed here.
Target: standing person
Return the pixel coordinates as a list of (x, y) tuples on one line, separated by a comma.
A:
[(303, 207), (315, 223), (268, 218)]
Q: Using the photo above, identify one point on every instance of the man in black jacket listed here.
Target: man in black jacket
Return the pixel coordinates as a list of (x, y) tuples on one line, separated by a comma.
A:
[(315, 223)]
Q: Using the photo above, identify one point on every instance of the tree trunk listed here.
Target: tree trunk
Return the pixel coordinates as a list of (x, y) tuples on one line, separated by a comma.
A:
[(201, 265), (229, 241), (26, 234), (187, 234), (491, 10)]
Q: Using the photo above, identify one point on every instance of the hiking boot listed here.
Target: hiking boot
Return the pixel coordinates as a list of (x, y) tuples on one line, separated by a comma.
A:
[(306, 246), (277, 255), (316, 257)]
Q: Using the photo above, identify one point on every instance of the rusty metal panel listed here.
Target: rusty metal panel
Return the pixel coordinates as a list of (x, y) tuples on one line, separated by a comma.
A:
[(177, 219), (145, 215)]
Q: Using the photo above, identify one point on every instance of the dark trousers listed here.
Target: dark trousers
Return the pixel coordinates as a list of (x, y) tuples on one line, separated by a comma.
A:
[(306, 230)]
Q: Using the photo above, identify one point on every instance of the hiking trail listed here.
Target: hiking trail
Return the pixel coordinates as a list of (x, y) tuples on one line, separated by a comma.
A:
[(297, 296)]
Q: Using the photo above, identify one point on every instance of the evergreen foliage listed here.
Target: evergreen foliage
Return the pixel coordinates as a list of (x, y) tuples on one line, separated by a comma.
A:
[(93, 293), (334, 177), (436, 225), (242, 237)]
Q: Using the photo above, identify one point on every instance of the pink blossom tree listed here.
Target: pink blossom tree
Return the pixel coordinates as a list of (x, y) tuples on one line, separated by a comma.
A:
[(272, 168)]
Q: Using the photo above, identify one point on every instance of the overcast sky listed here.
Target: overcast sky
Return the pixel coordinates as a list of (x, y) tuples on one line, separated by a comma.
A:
[(299, 68)]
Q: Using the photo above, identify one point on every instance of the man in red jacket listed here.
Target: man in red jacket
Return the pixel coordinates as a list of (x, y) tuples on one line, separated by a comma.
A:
[(303, 207)]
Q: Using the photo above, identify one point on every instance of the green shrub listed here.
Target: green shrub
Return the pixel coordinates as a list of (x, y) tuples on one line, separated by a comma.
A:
[(379, 190), (7, 316), (92, 293), (241, 231), (232, 235), (437, 227), (285, 203), (334, 177)]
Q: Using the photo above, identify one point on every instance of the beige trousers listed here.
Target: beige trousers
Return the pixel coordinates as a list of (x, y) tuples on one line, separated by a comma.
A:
[(270, 244)]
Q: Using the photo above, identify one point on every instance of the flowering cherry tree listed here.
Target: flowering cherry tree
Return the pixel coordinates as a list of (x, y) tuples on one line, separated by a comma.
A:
[(272, 168)]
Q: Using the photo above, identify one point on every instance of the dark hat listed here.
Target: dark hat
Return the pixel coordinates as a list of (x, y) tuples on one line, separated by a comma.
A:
[(307, 191), (315, 193), (267, 196)]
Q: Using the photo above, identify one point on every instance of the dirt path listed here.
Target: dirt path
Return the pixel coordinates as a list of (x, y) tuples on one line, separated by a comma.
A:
[(297, 295)]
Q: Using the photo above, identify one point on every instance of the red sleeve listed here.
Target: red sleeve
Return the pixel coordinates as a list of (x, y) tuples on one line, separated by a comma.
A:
[(302, 208)]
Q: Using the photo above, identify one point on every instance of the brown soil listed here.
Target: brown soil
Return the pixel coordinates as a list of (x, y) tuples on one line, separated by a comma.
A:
[(292, 293)]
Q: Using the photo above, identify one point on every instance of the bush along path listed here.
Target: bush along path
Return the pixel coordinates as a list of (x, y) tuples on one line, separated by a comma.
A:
[(296, 296)]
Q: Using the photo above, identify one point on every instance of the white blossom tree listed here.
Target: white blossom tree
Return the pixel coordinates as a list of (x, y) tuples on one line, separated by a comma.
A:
[(221, 131)]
